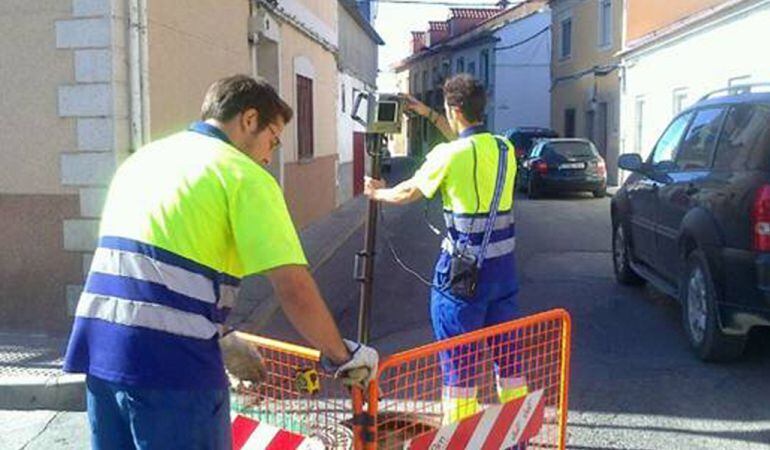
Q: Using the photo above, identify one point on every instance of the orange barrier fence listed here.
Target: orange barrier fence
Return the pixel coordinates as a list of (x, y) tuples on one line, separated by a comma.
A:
[(299, 397), (500, 387)]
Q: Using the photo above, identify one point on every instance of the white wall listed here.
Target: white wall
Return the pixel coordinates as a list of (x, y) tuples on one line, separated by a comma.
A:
[(522, 75), (345, 125), (700, 62)]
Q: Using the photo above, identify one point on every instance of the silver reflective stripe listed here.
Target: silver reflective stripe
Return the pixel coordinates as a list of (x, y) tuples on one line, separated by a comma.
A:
[(469, 225), (148, 315), (494, 249), (227, 295), (143, 267)]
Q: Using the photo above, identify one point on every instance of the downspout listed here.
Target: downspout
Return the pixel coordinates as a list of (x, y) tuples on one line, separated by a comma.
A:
[(137, 72)]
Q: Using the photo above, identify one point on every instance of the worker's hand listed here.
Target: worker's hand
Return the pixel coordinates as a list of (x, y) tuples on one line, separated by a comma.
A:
[(415, 106), (371, 185), (244, 364), (361, 368)]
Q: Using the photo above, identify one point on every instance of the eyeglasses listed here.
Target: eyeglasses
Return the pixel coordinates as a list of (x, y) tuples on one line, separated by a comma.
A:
[(275, 144)]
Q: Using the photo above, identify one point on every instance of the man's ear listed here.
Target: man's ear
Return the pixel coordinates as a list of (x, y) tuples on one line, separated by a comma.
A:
[(250, 119)]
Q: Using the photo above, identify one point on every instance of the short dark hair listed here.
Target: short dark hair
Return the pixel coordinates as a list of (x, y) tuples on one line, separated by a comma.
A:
[(468, 94), (228, 97)]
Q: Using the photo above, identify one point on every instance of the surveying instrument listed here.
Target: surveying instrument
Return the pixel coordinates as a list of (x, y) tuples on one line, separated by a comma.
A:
[(383, 115)]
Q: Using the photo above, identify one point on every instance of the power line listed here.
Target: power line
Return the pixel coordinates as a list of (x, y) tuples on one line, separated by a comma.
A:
[(522, 42), (437, 3)]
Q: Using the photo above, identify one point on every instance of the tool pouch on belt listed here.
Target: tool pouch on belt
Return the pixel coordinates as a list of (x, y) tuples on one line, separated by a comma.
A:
[(464, 268), (463, 276)]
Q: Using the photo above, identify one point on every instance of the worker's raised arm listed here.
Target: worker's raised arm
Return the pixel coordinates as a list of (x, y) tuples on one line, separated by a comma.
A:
[(437, 119)]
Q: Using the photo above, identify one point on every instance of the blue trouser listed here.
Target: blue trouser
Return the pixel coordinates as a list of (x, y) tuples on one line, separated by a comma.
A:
[(494, 303), (125, 417)]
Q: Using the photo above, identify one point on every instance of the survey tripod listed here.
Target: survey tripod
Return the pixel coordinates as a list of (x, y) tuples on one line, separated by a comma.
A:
[(364, 261), (381, 116)]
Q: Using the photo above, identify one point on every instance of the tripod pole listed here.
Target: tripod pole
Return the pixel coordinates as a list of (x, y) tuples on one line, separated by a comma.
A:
[(366, 276)]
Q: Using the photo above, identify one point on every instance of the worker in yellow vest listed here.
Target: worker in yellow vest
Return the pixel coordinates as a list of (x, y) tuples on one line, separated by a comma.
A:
[(474, 284), (186, 218)]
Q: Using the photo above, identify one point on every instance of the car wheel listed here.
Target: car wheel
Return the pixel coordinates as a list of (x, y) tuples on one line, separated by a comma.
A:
[(521, 185), (699, 313), (532, 191), (621, 258), (601, 192)]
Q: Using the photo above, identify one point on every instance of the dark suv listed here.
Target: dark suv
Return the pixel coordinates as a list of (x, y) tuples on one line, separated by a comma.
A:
[(694, 219)]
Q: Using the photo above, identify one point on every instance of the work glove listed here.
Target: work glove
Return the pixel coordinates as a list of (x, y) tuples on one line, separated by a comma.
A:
[(360, 369), (245, 365)]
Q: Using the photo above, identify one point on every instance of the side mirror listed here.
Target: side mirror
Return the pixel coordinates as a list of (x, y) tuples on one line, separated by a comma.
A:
[(631, 162)]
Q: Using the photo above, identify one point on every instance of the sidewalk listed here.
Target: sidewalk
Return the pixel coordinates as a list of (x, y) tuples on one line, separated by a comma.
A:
[(30, 364)]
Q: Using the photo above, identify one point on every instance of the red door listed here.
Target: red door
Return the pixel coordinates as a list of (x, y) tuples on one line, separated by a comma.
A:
[(359, 155)]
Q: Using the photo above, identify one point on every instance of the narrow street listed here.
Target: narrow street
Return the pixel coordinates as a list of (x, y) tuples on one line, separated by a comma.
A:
[(635, 383)]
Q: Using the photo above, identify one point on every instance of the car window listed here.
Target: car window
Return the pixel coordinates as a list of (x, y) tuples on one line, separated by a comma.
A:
[(696, 149), (745, 140), (568, 149), (664, 151)]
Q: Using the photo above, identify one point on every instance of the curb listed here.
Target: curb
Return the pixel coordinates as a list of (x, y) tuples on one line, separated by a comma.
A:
[(63, 392), (320, 242)]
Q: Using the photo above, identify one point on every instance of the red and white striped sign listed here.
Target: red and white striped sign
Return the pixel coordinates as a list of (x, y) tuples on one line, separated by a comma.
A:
[(249, 434), (497, 427)]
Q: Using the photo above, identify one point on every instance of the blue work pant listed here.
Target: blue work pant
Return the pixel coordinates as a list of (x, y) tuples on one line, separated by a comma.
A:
[(125, 417), (494, 303)]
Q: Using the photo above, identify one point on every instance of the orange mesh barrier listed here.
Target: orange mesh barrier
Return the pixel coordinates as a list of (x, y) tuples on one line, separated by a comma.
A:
[(500, 387), (298, 396)]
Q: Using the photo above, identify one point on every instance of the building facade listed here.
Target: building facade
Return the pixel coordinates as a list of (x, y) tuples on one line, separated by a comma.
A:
[(507, 49), (585, 86), (684, 57), (357, 65), (94, 79)]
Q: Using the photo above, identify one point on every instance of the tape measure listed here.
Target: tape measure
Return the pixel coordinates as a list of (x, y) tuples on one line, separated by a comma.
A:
[(307, 381)]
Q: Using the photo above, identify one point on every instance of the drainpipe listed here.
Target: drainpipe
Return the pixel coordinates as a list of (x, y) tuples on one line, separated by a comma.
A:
[(138, 73)]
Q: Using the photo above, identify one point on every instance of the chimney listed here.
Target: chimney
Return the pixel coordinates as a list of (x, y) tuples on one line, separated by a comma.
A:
[(418, 41), (437, 32)]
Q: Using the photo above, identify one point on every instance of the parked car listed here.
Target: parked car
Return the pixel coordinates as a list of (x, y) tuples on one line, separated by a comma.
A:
[(563, 165), (524, 138), (693, 219)]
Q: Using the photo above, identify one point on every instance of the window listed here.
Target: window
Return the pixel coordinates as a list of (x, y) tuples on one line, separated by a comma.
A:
[(700, 140), (424, 81), (342, 97), (737, 85), (745, 141), (460, 68), (638, 124), (472, 68), (679, 100), (304, 118), (569, 122), (484, 67), (665, 149), (605, 23), (566, 38)]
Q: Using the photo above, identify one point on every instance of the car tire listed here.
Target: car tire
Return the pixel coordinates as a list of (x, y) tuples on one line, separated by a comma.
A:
[(521, 186), (532, 191), (621, 258), (601, 192), (698, 295)]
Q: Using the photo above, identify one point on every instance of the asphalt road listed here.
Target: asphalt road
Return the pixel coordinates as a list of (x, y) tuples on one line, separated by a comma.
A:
[(635, 383)]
